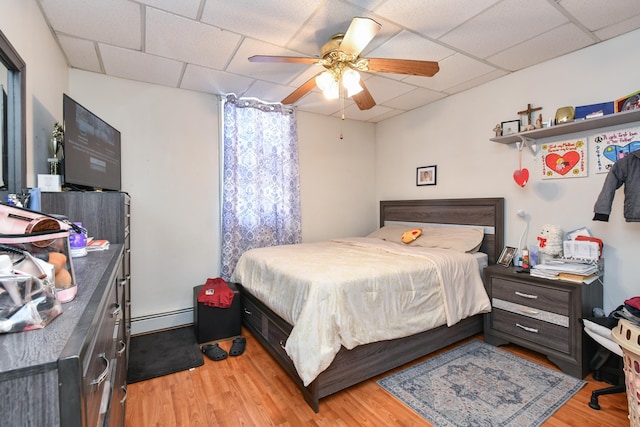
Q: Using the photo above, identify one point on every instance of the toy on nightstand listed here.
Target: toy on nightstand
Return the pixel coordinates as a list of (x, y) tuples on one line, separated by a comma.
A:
[(550, 241)]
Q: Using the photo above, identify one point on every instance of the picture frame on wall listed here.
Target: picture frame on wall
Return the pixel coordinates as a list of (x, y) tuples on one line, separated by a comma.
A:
[(426, 175), (506, 257), (510, 127)]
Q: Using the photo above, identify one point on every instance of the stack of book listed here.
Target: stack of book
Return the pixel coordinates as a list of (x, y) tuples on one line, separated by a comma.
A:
[(569, 270)]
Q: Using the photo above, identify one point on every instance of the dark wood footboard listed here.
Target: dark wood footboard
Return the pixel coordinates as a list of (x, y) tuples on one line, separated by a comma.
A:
[(349, 366)]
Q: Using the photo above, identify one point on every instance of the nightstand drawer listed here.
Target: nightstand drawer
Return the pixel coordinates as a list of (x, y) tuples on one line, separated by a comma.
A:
[(540, 297), (534, 330)]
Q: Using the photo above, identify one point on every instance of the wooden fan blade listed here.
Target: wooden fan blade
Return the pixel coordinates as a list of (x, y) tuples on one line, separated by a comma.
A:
[(363, 99), (288, 59), (404, 66), (358, 35), (306, 87)]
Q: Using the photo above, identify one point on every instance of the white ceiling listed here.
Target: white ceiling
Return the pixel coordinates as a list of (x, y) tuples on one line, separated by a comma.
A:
[(203, 45)]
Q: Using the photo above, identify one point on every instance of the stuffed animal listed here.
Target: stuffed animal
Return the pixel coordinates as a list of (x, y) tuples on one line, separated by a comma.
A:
[(550, 240), (411, 235)]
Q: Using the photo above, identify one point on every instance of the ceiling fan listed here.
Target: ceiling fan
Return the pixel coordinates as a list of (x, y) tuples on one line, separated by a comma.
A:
[(341, 58)]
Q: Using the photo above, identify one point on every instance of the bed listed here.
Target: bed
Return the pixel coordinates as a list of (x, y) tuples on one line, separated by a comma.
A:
[(272, 324)]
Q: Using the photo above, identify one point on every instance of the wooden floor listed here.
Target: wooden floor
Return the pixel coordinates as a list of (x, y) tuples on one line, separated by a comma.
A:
[(252, 390)]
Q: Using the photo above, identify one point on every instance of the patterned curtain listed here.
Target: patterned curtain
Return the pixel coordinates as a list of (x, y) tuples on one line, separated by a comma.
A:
[(260, 183)]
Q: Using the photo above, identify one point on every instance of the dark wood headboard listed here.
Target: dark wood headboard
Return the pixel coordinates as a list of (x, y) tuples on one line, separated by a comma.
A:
[(486, 212)]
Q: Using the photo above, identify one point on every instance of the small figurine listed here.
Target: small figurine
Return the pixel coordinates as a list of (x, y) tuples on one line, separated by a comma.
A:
[(498, 130), (539, 122)]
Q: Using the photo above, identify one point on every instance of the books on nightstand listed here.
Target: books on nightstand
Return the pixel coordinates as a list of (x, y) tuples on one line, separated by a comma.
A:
[(567, 269)]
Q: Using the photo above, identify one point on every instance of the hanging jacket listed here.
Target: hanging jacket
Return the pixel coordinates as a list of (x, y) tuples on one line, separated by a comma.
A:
[(625, 171)]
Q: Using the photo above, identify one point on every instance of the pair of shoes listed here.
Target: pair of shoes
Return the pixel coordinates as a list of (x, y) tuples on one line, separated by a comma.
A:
[(214, 352), (237, 348)]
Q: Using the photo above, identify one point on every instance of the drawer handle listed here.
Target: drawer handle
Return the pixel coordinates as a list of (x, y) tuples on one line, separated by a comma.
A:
[(116, 311), (124, 398), (103, 375), (124, 347), (122, 282), (528, 310), (247, 312), (282, 345), (535, 331), (520, 294)]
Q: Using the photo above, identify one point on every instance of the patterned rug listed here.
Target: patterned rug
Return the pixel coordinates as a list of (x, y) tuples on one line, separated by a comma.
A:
[(478, 384)]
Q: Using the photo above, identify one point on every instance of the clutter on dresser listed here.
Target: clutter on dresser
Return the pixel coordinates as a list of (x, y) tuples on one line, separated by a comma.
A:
[(45, 238), (579, 258), (28, 298), (78, 241)]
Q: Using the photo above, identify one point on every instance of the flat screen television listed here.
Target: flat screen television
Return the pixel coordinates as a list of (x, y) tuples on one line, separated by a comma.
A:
[(91, 151)]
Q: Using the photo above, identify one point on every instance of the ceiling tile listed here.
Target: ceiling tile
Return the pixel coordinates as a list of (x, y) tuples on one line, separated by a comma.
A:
[(432, 18), (188, 8), (502, 26), (188, 40), (116, 22), (272, 72), (477, 81), (408, 45), (275, 22), (383, 89), (133, 65), (80, 53), (214, 81), (595, 15), (415, 98), (268, 91), (454, 70), (619, 28), (556, 42)]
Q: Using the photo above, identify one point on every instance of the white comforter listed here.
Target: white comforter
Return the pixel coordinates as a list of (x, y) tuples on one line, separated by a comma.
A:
[(359, 290)]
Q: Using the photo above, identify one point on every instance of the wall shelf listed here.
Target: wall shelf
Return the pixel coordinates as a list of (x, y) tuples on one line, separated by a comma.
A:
[(576, 126)]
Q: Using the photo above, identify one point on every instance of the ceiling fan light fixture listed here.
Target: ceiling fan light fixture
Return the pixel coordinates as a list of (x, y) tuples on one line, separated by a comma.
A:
[(351, 82), (324, 81)]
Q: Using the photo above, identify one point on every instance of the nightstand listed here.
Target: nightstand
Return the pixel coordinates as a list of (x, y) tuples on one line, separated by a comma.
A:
[(542, 315)]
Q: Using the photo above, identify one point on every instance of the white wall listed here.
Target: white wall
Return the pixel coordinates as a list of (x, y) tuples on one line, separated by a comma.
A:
[(171, 170), (47, 77), (336, 177), (454, 135)]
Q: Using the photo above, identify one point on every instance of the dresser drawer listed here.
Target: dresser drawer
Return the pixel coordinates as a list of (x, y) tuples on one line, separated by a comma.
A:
[(536, 331), (99, 360), (535, 296)]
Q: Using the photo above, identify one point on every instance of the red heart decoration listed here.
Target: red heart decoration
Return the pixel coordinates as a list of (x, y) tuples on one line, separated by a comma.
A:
[(562, 164), (521, 177)]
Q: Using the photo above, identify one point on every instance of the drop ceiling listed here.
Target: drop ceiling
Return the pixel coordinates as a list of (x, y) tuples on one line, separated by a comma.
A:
[(203, 45)]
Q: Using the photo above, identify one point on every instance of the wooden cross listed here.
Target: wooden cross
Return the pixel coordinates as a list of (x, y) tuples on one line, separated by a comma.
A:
[(529, 111)]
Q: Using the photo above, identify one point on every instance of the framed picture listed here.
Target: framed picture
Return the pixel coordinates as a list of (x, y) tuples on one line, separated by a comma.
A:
[(426, 175), (506, 257), (511, 127)]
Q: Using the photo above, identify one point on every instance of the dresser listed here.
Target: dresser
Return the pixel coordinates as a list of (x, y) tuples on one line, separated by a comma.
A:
[(69, 373), (542, 315), (73, 372)]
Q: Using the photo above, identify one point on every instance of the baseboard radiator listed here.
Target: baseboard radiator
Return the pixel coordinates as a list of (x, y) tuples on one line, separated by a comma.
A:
[(159, 321)]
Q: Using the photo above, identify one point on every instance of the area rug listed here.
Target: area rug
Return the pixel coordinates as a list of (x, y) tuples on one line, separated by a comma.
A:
[(162, 353), (478, 384)]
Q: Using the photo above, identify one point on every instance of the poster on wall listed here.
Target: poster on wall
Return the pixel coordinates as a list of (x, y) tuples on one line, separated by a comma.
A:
[(609, 147), (566, 159)]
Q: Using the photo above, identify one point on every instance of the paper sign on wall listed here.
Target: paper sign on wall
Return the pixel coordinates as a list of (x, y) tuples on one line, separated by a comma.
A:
[(567, 159), (609, 147)]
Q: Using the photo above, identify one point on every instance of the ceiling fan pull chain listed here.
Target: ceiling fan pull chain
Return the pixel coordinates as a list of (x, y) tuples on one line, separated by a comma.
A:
[(342, 108)]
